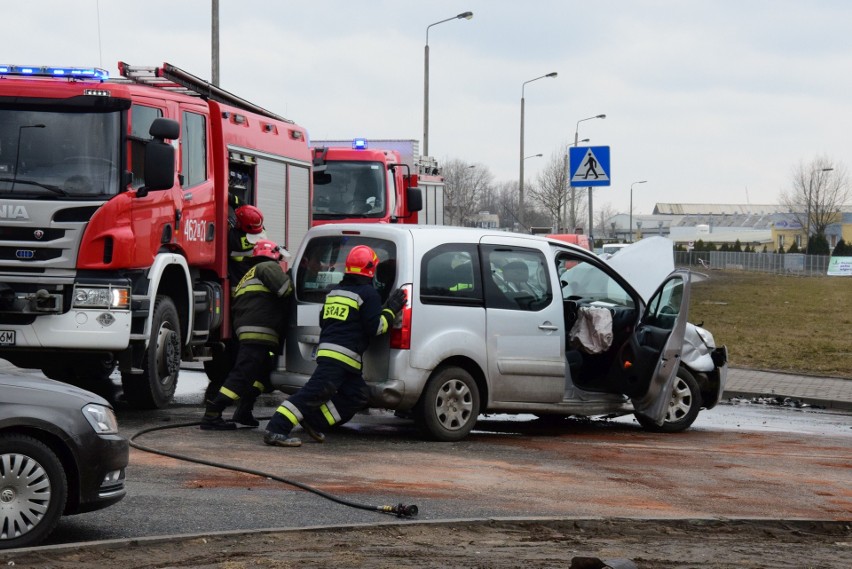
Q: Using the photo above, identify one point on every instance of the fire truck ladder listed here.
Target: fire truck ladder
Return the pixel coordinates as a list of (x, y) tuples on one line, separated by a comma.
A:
[(176, 80)]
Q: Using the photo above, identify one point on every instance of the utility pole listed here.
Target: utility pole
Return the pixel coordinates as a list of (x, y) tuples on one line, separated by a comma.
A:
[(214, 43)]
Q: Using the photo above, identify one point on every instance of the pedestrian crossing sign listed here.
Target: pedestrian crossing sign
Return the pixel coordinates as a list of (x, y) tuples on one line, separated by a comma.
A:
[(589, 166)]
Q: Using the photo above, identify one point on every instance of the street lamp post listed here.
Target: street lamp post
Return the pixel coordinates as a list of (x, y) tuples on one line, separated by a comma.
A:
[(568, 185), (462, 16), (591, 216), (533, 156), (630, 226), (521, 178), (808, 220)]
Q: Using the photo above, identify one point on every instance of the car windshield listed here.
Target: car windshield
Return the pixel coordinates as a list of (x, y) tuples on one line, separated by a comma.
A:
[(69, 154), (350, 190), (582, 280)]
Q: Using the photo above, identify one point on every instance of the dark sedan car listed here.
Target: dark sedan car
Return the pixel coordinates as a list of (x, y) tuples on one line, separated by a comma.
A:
[(60, 454)]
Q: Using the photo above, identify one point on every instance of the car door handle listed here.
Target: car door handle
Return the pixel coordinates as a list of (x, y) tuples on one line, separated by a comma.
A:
[(548, 326)]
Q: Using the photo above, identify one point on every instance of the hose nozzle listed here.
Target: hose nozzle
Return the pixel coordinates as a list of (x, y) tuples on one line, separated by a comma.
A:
[(400, 510)]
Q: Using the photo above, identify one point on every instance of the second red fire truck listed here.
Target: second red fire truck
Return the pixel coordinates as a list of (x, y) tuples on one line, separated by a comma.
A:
[(376, 181)]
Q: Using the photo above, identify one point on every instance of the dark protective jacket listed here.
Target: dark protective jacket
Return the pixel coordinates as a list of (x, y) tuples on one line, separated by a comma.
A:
[(351, 315), (260, 302), (239, 252), (239, 247)]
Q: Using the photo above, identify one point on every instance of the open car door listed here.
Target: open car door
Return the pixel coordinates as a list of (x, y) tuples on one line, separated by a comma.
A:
[(648, 362)]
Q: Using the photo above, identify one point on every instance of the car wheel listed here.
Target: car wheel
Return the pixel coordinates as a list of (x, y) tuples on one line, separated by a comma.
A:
[(155, 386), (449, 405), (683, 408), (33, 490)]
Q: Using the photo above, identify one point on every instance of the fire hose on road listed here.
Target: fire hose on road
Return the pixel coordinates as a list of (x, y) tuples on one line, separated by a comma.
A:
[(400, 510)]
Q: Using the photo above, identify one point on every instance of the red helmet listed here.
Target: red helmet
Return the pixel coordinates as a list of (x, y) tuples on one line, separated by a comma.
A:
[(267, 248), (249, 219), (361, 260)]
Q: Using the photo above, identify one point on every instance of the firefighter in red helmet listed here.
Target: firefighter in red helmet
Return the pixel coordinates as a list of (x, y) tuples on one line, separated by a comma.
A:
[(352, 314), (260, 306), (247, 220)]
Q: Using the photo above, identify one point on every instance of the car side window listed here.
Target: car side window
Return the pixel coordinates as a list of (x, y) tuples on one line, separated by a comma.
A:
[(449, 274), (517, 279), (665, 307)]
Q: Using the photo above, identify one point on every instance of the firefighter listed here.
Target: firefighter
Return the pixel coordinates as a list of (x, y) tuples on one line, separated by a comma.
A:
[(247, 220), (352, 314), (245, 228), (260, 306)]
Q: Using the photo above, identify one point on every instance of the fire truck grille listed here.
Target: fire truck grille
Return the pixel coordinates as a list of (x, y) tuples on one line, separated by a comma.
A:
[(27, 234), (28, 254)]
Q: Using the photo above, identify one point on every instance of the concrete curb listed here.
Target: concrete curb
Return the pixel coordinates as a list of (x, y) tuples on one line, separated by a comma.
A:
[(118, 544), (815, 403)]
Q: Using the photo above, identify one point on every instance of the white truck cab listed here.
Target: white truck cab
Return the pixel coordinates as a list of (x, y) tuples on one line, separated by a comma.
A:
[(503, 322)]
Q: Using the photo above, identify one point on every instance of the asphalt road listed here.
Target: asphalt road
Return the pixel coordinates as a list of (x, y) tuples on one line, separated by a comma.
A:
[(738, 461)]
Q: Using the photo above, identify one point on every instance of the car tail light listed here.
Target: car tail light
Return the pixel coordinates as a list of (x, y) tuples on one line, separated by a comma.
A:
[(400, 334)]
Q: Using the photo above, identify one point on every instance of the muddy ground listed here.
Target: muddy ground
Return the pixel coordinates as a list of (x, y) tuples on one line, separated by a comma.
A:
[(623, 543)]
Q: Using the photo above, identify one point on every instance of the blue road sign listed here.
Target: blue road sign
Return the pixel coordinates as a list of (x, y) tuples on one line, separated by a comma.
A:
[(588, 166)]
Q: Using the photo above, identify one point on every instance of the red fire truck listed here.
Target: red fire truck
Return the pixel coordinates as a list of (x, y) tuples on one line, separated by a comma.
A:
[(382, 181), (114, 218)]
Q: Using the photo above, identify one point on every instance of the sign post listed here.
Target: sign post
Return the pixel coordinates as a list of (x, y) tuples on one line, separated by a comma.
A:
[(589, 167)]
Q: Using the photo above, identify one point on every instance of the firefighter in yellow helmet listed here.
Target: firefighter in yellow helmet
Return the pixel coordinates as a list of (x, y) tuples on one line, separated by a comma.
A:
[(260, 303), (352, 314)]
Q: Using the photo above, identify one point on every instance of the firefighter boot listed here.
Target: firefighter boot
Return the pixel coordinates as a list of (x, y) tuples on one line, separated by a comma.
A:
[(213, 421), (279, 440), (243, 413), (313, 433)]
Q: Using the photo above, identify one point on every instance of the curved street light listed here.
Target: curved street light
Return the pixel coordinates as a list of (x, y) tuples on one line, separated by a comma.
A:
[(631, 207), (568, 184), (462, 16), (808, 219), (533, 156), (521, 178)]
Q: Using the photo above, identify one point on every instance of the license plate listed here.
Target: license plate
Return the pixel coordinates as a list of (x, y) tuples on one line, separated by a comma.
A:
[(7, 337)]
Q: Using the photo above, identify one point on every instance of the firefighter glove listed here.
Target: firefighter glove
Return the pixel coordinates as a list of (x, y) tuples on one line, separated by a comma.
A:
[(396, 300)]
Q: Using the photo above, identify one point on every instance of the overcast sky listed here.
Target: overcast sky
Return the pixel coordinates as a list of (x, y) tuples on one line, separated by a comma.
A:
[(709, 101)]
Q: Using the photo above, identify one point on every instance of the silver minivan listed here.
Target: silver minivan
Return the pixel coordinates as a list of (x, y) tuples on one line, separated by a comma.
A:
[(501, 322)]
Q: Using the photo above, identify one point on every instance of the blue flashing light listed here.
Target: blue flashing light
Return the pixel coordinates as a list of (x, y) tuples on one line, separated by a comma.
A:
[(76, 72), (359, 143)]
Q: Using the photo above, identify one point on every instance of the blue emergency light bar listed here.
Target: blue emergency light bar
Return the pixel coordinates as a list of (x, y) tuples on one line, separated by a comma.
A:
[(36, 71), (359, 143)]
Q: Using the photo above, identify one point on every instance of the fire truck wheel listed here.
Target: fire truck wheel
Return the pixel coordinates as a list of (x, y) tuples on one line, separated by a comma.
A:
[(155, 386), (90, 372)]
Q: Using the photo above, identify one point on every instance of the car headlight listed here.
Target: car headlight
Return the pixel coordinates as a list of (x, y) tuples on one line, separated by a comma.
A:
[(706, 337), (101, 297), (101, 418)]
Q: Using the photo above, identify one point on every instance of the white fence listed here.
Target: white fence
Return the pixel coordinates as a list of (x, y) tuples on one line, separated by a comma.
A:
[(779, 263)]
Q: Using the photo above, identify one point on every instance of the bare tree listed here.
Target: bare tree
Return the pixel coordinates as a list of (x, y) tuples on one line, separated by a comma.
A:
[(505, 203), (464, 185), (549, 189), (576, 205), (819, 190), (602, 216)]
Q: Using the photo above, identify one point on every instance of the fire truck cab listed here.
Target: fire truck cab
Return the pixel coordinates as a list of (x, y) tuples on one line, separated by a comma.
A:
[(373, 182)]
